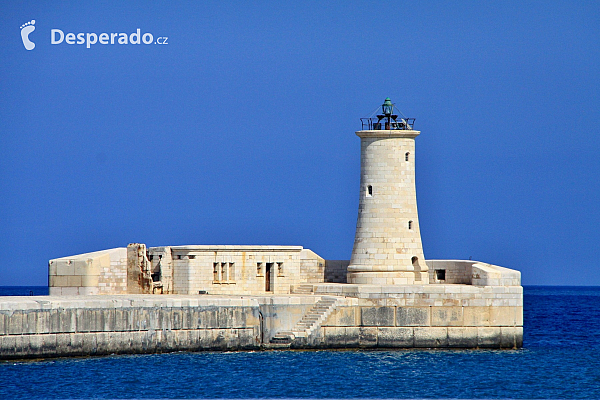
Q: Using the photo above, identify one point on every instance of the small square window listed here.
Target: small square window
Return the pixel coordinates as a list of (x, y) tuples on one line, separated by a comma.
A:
[(440, 274)]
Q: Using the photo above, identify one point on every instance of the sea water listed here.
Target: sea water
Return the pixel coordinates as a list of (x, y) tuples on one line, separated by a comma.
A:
[(560, 359)]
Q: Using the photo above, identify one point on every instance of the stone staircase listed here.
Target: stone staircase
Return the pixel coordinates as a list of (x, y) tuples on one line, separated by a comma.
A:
[(302, 289), (311, 321)]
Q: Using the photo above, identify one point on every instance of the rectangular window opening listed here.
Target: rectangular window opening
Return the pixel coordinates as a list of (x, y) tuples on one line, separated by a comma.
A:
[(231, 277), (216, 271), (268, 273), (224, 272), (440, 274)]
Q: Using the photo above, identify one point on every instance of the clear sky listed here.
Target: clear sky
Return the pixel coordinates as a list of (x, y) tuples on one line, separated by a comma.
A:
[(240, 130)]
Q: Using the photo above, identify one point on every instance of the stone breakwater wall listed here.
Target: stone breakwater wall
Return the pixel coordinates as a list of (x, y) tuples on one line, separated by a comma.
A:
[(352, 316), (427, 316), (38, 327)]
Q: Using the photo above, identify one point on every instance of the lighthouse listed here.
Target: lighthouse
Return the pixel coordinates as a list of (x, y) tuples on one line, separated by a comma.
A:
[(387, 245)]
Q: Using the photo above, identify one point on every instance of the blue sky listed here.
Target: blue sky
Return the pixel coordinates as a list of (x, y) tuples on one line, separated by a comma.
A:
[(240, 130)]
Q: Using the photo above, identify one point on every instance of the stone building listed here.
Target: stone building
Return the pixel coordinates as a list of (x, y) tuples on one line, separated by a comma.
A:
[(199, 269)]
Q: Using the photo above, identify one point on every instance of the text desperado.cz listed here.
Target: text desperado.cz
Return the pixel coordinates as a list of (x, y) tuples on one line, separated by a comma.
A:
[(57, 37)]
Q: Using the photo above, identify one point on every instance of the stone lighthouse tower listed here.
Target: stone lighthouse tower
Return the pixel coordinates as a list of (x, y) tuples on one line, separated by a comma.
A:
[(387, 245)]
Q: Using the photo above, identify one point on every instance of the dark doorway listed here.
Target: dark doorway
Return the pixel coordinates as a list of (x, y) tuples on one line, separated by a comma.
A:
[(268, 270)]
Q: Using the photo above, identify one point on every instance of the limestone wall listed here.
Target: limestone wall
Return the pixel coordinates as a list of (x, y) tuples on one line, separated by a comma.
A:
[(427, 316), (33, 327), (312, 268), (363, 316), (242, 270), (247, 270), (471, 273), (422, 326), (100, 272)]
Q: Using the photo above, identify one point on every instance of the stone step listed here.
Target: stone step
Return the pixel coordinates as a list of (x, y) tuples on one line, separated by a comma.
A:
[(309, 322)]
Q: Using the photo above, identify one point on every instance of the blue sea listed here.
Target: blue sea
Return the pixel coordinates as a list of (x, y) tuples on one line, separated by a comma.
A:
[(560, 359)]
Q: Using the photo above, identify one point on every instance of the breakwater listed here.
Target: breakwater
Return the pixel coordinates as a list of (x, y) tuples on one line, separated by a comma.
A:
[(54, 326)]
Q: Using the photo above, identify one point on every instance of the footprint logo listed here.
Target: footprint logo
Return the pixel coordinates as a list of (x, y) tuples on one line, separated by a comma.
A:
[(26, 29)]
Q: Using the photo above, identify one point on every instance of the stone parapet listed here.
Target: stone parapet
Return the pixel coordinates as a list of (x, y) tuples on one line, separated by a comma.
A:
[(471, 273), (100, 272)]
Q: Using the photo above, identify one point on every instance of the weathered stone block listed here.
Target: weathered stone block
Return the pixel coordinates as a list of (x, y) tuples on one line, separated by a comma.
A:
[(67, 319), (176, 318), (413, 316), (65, 268), (116, 342), (519, 315), (89, 280), (247, 339), (377, 316), (476, 316), (137, 340), (120, 319), (74, 280), (109, 319), (142, 322), (35, 344), (21, 345), (63, 343), (352, 336), (3, 325), (503, 316), (446, 316), (462, 337), (342, 316), (15, 323), (49, 344), (252, 317), (102, 343), (52, 268), (334, 336), (8, 344), (519, 336), (223, 317), (488, 337), (30, 321), (395, 337), (58, 281), (83, 320), (224, 339), (431, 337), (508, 337), (367, 337), (210, 318), (98, 317)]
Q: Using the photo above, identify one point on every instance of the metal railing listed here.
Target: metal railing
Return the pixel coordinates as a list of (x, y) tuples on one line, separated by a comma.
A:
[(375, 124)]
